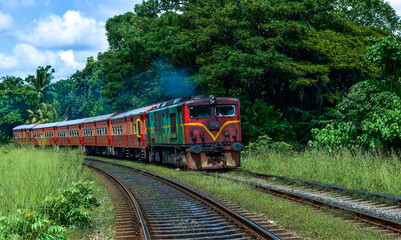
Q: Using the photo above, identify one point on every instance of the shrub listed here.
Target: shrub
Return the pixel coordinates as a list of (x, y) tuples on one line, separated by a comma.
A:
[(264, 143), (368, 118), (68, 208), (331, 138), (29, 225)]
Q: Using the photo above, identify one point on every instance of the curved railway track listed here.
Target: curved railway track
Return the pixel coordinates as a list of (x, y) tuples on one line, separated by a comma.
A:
[(373, 211), (171, 210)]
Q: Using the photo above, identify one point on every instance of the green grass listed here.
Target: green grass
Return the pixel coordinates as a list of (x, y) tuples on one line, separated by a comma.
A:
[(28, 175), (370, 172), (103, 215), (301, 219)]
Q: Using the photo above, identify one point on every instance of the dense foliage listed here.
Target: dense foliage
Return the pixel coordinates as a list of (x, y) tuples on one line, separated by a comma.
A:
[(68, 208), (291, 63)]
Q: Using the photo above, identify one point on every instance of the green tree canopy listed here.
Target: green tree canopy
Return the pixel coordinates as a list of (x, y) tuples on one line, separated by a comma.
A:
[(296, 56), (41, 83)]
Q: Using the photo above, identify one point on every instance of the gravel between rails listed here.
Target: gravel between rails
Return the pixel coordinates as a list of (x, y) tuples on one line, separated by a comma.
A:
[(393, 214)]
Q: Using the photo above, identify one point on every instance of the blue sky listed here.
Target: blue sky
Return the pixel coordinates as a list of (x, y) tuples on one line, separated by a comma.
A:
[(60, 33)]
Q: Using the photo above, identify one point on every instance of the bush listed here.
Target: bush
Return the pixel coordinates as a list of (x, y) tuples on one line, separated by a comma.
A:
[(265, 143), (29, 225), (368, 118), (331, 138), (68, 208)]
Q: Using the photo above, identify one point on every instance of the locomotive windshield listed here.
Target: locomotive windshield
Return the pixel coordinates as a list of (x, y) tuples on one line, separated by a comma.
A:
[(200, 111), (225, 111)]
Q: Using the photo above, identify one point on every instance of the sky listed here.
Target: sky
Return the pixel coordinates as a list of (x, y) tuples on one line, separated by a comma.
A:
[(59, 33)]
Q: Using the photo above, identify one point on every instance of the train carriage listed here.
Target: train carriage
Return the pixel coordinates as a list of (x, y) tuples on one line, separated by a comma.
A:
[(96, 133), (23, 134), (72, 129), (45, 134), (128, 135)]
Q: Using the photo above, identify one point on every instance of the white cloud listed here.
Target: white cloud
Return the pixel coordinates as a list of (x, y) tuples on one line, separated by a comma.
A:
[(69, 58), (7, 62), (70, 31), (6, 21)]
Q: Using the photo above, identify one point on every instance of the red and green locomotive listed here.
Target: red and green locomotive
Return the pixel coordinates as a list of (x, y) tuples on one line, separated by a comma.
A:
[(189, 132), (195, 132)]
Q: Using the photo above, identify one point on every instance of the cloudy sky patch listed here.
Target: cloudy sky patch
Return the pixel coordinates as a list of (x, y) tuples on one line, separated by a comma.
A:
[(62, 34)]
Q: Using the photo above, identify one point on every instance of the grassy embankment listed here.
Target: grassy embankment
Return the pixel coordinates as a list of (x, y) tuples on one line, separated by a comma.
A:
[(363, 171), (28, 175), (301, 219)]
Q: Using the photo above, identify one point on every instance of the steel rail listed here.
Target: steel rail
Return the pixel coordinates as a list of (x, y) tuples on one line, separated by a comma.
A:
[(131, 197), (238, 217), (385, 223), (398, 199)]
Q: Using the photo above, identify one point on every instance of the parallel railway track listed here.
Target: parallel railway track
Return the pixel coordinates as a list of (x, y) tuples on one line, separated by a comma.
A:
[(171, 210), (337, 199)]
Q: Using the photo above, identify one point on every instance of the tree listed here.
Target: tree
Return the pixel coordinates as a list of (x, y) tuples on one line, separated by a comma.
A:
[(296, 56), (377, 13), (386, 52), (41, 83), (80, 94), (45, 113), (15, 99)]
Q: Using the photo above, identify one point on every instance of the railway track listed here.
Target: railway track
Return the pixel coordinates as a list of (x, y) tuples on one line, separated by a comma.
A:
[(171, 210), (130, 223), (380, 212)]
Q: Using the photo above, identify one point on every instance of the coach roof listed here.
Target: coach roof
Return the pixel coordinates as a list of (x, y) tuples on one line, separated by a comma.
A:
[(23, 127), (71, 122), (133, 112), (46, 125), (99, 118)]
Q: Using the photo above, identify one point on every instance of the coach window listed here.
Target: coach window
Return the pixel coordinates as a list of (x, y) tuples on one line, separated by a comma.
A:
[(225, 111), (200, 111), (172, 123)]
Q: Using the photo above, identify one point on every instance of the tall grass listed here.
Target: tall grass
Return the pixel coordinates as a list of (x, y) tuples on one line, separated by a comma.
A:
[(370, 172), (28, 175)]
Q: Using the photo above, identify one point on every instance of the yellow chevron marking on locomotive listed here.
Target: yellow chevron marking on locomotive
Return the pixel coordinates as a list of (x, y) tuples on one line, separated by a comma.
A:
[(211, 134)]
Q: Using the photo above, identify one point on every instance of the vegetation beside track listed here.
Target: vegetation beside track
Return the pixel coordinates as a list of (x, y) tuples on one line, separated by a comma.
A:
[(103, 216), (301, 219), (40, 198), (30, 174), (377, 173)]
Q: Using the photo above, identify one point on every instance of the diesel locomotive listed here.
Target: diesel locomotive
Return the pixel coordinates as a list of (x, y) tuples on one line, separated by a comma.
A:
[(189, 132)]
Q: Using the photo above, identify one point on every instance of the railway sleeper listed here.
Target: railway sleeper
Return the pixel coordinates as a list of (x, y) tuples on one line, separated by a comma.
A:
[(231, 234)]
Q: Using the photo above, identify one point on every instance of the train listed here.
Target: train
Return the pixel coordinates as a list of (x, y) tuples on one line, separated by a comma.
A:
[(197, 132)]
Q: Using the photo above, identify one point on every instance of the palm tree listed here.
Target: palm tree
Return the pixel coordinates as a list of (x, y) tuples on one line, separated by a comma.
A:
[(41, 83), (46, 113)]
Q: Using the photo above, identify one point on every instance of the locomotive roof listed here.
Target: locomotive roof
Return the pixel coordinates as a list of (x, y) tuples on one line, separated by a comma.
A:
[(22, 127), (99, 118), (46, 125), (71, 122), (182, 100), (133, 112)]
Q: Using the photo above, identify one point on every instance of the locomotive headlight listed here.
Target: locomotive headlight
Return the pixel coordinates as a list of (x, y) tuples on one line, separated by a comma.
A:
[(237, 146), (212, 99), (196, 149)]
